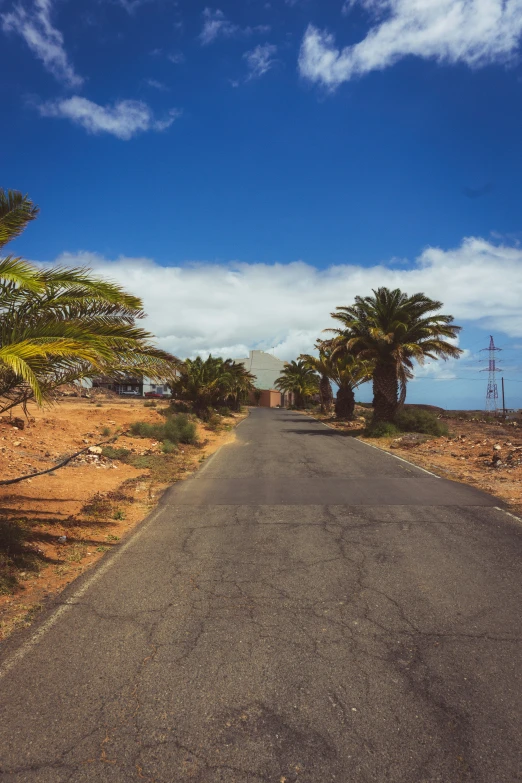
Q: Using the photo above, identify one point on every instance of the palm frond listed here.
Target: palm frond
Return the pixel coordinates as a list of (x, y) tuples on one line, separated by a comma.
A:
[(16, 211)]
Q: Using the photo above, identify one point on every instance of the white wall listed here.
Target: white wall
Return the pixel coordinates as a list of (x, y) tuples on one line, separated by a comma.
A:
[(264, 366)]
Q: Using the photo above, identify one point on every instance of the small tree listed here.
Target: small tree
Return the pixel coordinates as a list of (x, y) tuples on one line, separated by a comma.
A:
[(300, 379), (342, 368), (212, 383), (321, 365)]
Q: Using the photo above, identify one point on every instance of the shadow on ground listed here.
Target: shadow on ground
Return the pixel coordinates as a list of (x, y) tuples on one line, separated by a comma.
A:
[(327, 432)]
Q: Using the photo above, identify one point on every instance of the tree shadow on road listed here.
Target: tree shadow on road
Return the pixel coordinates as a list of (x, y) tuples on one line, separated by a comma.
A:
[(327, 432)]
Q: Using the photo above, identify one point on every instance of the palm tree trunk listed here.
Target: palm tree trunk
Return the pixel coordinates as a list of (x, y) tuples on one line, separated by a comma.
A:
[(385, 393), (325, 390), (345, 403)]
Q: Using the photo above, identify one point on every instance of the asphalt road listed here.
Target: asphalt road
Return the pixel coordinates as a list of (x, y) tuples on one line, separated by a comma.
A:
[(306, 609)]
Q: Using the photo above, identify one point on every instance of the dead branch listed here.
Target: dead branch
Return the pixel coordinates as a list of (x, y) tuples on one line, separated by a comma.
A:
[(63, 463)]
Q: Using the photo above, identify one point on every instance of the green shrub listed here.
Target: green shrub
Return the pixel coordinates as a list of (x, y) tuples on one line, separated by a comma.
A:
[(106, 431), (213, 423), (169, 447), (112, 452), (176, 429), (381, 429), (179, 406), (225, 411), (150, 404), (418, 420)]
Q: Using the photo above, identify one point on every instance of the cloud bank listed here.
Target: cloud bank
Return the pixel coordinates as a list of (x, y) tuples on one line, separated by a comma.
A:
[(228, 310), (474, 32), (123, 119)]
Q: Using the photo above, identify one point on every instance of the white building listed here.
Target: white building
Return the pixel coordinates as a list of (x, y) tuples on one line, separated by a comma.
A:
[(265, 367)]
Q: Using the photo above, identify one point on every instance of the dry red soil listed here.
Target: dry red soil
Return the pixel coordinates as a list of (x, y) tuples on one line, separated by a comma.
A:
[(71, 517)]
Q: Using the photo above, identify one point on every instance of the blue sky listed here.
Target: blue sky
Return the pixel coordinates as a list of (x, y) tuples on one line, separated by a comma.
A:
[(247, 166)]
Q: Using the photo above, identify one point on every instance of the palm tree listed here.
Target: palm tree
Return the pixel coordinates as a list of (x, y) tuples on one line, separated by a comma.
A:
[(321, 365), (210, 383), (342, 368), (299, 379), (239, 384), (393, 330), (59, 325)]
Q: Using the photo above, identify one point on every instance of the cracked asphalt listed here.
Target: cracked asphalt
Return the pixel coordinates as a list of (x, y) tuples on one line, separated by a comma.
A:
[(305, 609)]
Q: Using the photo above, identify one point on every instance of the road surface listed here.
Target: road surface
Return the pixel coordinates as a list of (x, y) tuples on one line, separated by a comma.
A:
[(306, 609)]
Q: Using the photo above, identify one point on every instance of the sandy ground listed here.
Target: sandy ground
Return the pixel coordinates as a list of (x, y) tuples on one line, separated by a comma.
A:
[(92, 502), (487, 456)]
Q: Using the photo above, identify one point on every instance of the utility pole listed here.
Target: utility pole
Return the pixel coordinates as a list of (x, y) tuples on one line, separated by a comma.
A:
[(503, 400), (492, 389)]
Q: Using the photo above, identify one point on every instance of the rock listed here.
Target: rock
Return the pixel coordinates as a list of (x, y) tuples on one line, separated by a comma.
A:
[(18, 423), (16, 443), (95, 450), (62, 539), (496, 447), (407, 441)]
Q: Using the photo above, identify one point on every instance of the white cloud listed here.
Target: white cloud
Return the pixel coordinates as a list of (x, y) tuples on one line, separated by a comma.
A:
[(260, 60), (123, 119), (445, 371), (156, 85), (132, 5), (176, 57), (474, 32), (44, 40), (216, 25), (201, 308)]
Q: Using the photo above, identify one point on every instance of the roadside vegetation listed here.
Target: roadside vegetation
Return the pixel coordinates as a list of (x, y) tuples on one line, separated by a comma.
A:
[(208, 385), (410, 420), (299, 379), (378, 338), (391, 331), (344, 369)]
